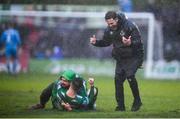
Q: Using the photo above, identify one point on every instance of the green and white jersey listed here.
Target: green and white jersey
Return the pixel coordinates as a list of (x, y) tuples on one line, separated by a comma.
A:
[(57, 87), (55, 99), (77, 102), (59, 92), (83, 91)]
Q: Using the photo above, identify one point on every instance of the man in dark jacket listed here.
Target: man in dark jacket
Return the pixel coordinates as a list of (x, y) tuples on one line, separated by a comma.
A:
[(127, 51)]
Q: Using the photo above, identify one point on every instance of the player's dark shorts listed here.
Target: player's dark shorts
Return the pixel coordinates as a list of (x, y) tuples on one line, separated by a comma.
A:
[(128, 66)]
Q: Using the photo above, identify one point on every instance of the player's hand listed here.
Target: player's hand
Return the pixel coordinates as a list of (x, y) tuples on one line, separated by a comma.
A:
[(91, 81), (93, 39), (126, 41), (67, 106)]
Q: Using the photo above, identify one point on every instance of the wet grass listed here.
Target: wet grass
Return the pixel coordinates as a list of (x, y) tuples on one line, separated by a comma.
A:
[(160, 98)]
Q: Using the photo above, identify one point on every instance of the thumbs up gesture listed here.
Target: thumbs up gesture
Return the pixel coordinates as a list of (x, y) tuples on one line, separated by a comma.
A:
[(93, 39)]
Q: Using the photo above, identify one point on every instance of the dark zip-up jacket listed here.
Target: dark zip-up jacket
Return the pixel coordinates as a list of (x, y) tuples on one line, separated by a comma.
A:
[(125, 28)]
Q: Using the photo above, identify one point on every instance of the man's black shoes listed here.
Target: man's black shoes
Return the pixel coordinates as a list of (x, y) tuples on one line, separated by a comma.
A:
[(136, 106), (120, 109)]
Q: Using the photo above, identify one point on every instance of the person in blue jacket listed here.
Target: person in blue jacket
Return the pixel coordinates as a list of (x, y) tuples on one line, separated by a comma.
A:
[(10, 40)]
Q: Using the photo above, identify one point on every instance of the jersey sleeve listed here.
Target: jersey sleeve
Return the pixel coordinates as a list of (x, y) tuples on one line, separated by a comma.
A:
[(91, 94), (79, 102), (83, 89)]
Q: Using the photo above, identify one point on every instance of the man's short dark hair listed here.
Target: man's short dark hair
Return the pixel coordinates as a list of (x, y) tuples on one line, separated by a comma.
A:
[(77, 83), (110, 14)]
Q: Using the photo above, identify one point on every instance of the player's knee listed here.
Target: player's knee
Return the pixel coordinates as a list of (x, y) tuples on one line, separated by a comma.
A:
[(131, 78)]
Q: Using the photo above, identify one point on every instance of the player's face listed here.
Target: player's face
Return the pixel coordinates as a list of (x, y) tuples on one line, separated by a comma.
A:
[(64, 82), (112, 23)]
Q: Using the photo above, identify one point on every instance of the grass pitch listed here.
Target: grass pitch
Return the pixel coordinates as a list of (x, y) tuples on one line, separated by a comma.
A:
[(161, 98)]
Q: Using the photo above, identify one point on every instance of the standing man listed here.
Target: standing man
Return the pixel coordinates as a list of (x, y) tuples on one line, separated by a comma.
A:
[(10, 39), (128, 53)]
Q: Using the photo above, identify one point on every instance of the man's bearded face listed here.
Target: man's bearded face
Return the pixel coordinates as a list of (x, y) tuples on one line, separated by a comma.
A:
[(64, 82), (112, 23)]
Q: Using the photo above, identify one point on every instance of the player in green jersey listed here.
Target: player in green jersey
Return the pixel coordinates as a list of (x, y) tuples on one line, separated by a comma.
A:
[(70, 100), (62, 84)]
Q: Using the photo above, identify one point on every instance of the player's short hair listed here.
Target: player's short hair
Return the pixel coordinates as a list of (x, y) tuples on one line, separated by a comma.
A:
[(110, 14), (77, 83)]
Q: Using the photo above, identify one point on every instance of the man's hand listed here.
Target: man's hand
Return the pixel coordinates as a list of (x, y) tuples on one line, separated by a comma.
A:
[(93, 39), (91, 81), (126, 41), (67, 106)]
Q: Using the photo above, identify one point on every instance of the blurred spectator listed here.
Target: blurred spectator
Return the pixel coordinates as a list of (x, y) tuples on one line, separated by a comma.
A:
[(2, 28), (57, 53), (40, 37), (153, 8), (171, 19), (24, 58), (125, 5), (11, 41), (32, 38)]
